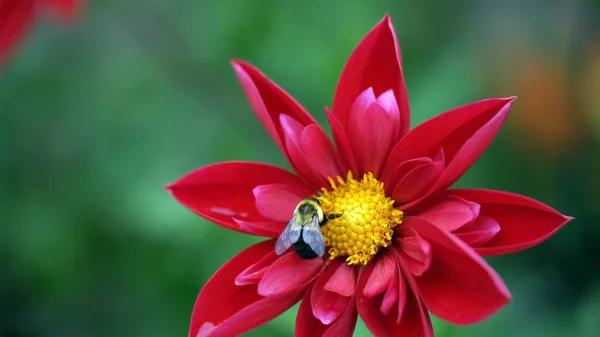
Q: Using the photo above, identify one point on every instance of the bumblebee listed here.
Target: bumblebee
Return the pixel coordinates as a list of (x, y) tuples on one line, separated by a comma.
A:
[(303, 231)]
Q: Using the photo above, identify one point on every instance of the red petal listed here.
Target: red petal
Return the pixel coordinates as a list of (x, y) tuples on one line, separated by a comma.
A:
[(459, 286), (341, 141), (388, 102), (360, 105), (327, 306), (66, 9), (224, 309), (371, 129), (479, 232), (374, 63), (288, 272), (395, 292), (269, 101), (463, 151), (414, 320), (391, 176), (403, 289), (222, 193), (463, 133), (292, 131), (343, 280), (382, 274), (524, 222), (15, 19), (320, 153), (277, 201), (308, 326), (345, 325), (255, 272), (415, 251), (450, 213), (268, 227), (419, 180)]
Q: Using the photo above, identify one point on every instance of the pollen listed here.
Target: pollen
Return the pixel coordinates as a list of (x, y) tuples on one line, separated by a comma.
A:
[(367, 218)]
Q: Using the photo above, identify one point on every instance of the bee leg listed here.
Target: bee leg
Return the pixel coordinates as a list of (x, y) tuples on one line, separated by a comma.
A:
[(330, 217)]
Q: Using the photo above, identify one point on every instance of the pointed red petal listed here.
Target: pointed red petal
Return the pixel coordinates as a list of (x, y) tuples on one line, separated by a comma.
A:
[(345, 325), (374, 63), (418, 180), (327, 306), (371, 141), (388, 102), (320, 153), (463, 133), (292, 135), (277, 201), (380, 277), (256, 271), (224, 309), (288, 272), (343, 280), (459, 286), (306, 323), (479, 232), (267, 228), (341, 141), (222, 193), (308, 326), (392, 175), (415, 251), (395, 292), (413, 318), (450, 212), (524, 222), (15, 19), (269, 101), (311, 152), (462, 152)]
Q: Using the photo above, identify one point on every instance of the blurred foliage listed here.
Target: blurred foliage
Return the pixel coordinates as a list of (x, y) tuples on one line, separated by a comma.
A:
[(97, 118)]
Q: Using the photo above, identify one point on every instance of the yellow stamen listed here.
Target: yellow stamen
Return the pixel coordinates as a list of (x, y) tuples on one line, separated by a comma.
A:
[(367, 221)]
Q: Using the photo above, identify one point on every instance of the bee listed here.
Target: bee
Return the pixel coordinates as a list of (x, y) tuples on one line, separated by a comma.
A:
[(303, 231)]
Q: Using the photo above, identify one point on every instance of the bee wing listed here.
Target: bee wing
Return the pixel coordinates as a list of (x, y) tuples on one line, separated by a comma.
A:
[(288, 237), (312, 235)]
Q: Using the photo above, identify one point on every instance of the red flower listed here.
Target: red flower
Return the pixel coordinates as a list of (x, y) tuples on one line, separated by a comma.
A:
[(16, 17), (419, 243)]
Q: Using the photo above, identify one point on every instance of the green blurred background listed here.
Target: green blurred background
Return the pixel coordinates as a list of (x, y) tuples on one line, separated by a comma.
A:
[(96, 118)]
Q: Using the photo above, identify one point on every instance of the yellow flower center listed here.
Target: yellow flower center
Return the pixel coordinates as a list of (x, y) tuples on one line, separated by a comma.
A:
[(366, 222)]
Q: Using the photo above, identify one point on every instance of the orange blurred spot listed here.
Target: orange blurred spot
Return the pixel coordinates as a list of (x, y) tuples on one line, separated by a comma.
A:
[(544, 117), (591, 88), (66, 10)]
